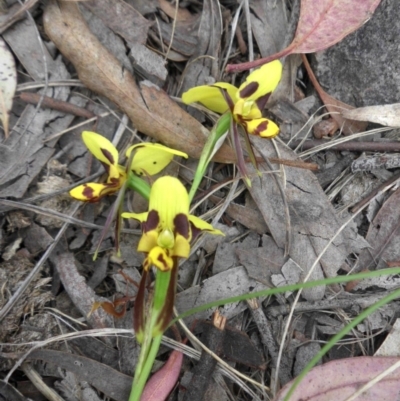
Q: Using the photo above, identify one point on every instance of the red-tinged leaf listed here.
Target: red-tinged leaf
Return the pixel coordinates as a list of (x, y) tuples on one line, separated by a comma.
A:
[(321, 24), (334, 106), (162, 382), (338, 380)]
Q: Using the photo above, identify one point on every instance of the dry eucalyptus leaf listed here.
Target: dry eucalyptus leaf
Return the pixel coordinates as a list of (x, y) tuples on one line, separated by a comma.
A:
[(122, 18), (234, 281), (313, 219), (388, 114), (8, 83), (153, 113), (109, 381), (390, 347), (337, 380), (321, 24), (373, 162), (384, 236)]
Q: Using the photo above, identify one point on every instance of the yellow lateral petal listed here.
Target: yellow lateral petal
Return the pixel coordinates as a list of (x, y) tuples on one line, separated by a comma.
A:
[(260, 82), (202, 225), (151, 158), (261, 127), (148, 241), (210, 96), (182, 247), (92, 191), (103, 150), (138, 216)]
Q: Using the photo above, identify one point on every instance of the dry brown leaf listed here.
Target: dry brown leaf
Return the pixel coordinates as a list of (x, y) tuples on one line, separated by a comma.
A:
[(313, 219), (181, 15), (151, 111), (109, 381), (122, 18), (334, 106), (388, 114), (384, 236)]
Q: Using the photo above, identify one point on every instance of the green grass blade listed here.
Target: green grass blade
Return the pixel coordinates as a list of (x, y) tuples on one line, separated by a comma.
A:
[(293, 287)]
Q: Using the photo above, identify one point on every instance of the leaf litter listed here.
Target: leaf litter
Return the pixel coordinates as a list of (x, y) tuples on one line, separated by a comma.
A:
[(275, 238)]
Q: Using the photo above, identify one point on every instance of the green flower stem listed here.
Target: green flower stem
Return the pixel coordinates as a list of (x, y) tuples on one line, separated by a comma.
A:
[(144, 353), (139, 185), (213, 143), (357, 320), (152, 335), (140, 382)]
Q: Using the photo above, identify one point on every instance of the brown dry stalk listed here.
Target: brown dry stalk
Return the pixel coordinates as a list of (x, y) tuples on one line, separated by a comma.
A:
[(55, 104)]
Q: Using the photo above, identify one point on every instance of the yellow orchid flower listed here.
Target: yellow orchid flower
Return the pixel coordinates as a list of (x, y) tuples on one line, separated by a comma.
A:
[(167, 227), (246, 102), (149, 159)]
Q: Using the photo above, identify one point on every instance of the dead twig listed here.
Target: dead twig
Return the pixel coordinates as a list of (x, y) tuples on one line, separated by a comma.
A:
[(55, 104), (350, 145)]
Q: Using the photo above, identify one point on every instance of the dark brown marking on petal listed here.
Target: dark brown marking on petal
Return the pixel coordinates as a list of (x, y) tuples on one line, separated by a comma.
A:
[(248, 90), (261, 127), (152, 221), (87, 192), (195, 232), (162, 260), (181, 224), (108, 155), (262, 101)]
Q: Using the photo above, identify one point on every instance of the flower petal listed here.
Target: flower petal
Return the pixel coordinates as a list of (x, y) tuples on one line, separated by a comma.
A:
[(93, 191), (151, 158), (169, 198), (182, 247), (103, 150), (261, 81), (210, 96), (199, 225), (160, 258), (261, 127), (138, 216), (246, 109), (148, 241)]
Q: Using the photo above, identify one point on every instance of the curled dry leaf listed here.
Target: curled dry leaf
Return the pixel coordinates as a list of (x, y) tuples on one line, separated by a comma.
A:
[(8, 83), (321, 24), (101, 72)]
